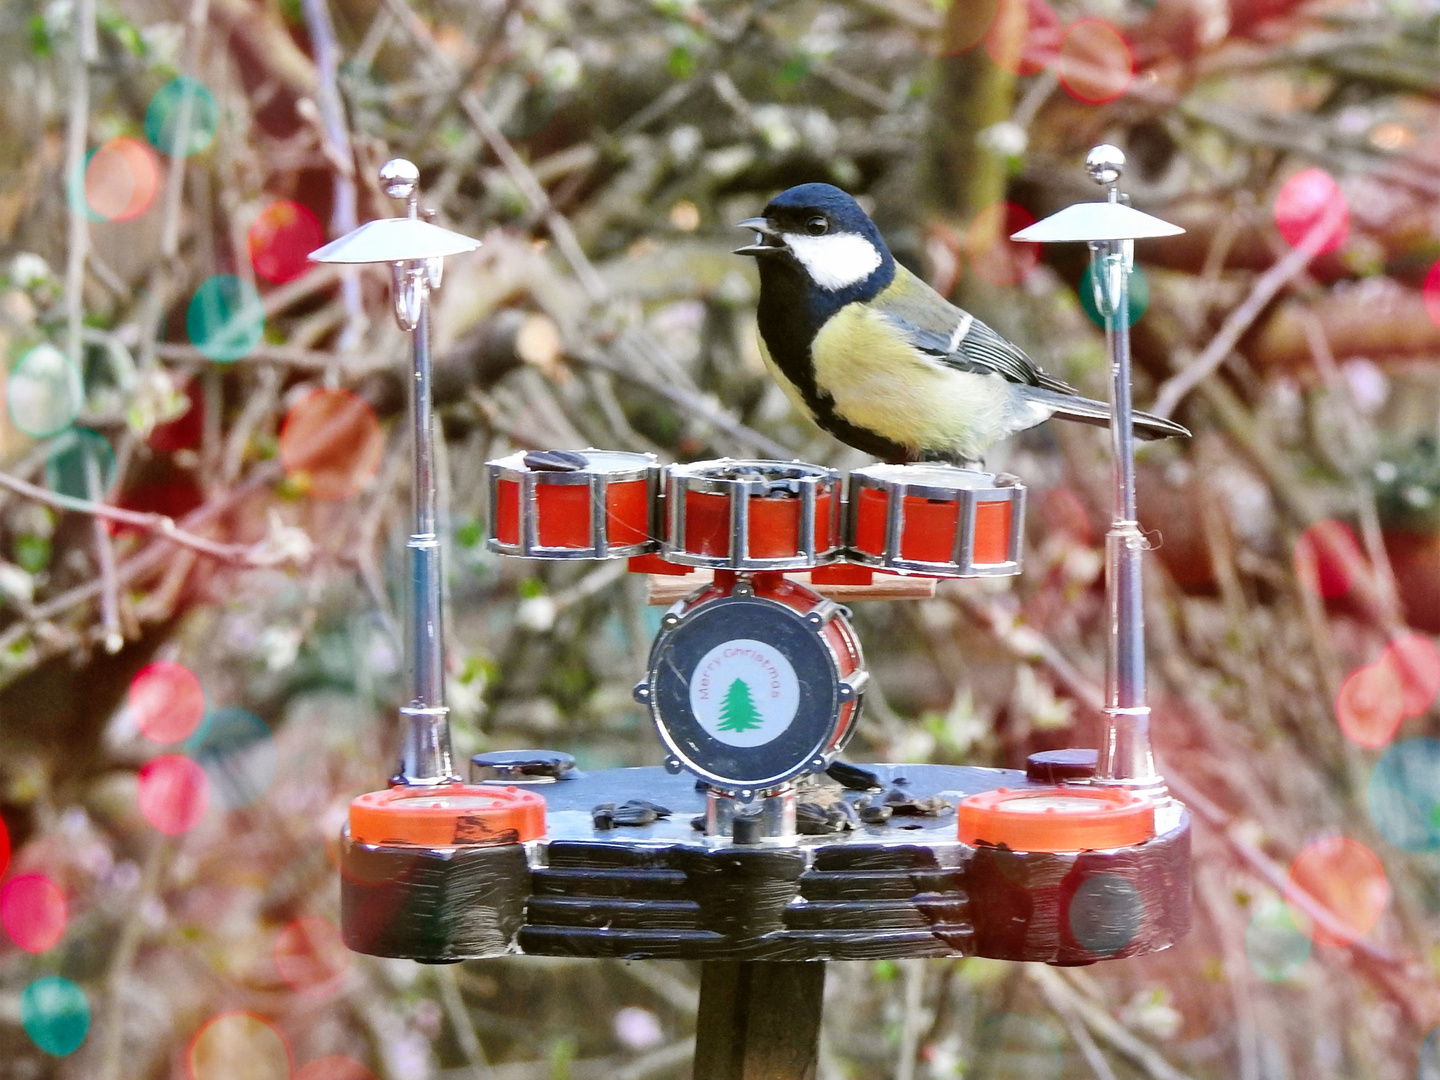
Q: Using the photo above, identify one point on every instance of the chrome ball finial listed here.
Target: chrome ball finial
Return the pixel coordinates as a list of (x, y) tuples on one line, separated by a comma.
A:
[(1105, 163), (399, 178)]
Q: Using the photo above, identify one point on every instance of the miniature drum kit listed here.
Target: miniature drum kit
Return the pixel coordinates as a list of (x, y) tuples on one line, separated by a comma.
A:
[(741, 846)]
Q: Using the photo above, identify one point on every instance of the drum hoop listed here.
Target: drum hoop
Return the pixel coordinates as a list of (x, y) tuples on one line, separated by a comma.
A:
[(598, 481), (825, 749), (679, 482), (790, 470), (938, 492), (969, 499)]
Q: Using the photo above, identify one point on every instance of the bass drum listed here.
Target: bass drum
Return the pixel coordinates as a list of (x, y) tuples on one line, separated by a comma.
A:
[(754, 680)]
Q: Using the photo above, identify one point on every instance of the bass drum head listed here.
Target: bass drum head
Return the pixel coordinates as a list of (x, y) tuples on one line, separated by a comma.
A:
[(745, 693)]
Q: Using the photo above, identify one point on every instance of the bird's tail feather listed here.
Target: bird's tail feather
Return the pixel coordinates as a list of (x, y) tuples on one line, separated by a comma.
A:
[(1097, 413)]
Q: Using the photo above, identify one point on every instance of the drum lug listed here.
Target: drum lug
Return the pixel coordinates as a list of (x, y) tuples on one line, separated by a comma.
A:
[(743, 587), (670, 620), (673, 766), (642, 693), (852, 685), (823, 612)]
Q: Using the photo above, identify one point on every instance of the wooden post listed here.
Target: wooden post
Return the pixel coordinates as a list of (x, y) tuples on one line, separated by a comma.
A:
[(759, 1020)]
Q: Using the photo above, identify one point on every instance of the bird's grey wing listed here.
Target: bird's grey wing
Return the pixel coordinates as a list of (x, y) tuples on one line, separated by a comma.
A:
[(936, 326), (970, 345)]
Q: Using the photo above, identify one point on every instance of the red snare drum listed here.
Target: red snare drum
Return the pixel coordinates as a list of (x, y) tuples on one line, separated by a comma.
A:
[(752, 515), (753, 681), (600, 511), (934, 519)]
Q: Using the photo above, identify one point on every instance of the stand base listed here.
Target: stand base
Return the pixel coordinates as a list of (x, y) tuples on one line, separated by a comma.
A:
[(903, 888)]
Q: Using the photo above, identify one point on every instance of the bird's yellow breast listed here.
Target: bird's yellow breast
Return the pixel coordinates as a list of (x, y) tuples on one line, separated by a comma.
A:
[(881, 382)]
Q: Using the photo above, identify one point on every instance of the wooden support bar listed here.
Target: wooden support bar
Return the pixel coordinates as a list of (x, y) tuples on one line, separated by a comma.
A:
[(759, 1020), (666, 589)]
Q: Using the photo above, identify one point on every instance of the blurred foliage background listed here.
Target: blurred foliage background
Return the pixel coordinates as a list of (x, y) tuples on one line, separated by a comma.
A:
[(203, 466)]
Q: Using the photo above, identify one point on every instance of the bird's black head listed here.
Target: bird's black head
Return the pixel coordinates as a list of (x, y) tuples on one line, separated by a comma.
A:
[(818, 232)]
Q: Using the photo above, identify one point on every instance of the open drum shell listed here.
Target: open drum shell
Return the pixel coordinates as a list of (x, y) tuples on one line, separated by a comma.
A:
[(605, 511), (719, 519), (934, 519)]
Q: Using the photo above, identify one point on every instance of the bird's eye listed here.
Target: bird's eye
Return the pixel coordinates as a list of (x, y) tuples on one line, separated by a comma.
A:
[(816, 226)]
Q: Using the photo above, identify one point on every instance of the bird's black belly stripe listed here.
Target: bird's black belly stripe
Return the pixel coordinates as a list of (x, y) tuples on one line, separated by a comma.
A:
[(789, 318)]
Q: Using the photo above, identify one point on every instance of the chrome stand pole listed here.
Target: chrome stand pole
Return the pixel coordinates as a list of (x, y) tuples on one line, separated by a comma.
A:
[(415, 251), (1126, 758), (425, 754)]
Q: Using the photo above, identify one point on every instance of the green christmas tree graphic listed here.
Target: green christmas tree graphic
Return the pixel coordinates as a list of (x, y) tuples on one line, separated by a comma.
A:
[(738, 712)]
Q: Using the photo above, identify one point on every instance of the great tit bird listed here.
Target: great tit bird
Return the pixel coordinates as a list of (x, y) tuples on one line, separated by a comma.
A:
[(881, 360)]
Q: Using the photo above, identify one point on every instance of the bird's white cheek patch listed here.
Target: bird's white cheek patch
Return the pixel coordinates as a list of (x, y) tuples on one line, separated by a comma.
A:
[(836, 261)]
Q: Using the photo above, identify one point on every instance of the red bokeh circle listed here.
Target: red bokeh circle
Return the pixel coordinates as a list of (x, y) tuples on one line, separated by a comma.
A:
[(1431, 294), (174, 793), (1413, 662), (167, 702), (1347, 881), (121, 179), (1307, 200), (33, 912), (311, 956), (281, 239), (330, 443), (1369, 705), (1025, 36), (1095, 64)]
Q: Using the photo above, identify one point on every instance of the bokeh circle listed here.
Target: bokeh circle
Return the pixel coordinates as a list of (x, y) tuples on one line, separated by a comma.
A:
[(1304, 202), (226, 318), (80, 464), (174, 793), (1404, 795), (331, 443), (121, 179), (166, 701), (281, 238), (1347, 881), (55, 1014), (238, 754), (1276, 943), (44, 392), (1095, 63), (33, 912), (239, 1046), (1370, 705), (165, 114)]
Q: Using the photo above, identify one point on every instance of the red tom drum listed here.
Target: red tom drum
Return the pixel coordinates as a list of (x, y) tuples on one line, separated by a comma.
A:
[(602, 510), (934, 519), (752, 515)]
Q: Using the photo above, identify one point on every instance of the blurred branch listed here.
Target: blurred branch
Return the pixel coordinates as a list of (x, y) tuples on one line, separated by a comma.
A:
[(338, 151), (1265, 288), (1066, 998), (158, 524), (460, 1022), (1064, 1007), (692, 403), (76, 137), (555, 222)]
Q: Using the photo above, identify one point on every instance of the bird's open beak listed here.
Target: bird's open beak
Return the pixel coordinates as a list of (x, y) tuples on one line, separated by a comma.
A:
[(767, 240)]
